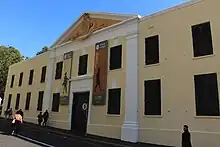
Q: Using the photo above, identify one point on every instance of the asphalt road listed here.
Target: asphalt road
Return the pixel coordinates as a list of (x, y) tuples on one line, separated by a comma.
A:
[(45, 138)]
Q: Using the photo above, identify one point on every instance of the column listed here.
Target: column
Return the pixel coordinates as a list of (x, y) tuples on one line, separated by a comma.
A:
[(50, 77), (130, 126)]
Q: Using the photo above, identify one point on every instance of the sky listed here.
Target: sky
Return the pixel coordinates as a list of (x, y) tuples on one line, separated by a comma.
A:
[(29, 25)]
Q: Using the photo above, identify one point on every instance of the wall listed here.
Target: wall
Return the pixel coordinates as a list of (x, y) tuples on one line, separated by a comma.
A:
[(176, 69), (35, 63), (100, 122)]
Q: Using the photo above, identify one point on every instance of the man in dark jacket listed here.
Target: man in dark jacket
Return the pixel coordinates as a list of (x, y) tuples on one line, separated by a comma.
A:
[(40, 118), (45, 116), (186, 137)]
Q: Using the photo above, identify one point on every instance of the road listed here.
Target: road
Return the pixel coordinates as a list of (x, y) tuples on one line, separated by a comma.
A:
[(34, 136)]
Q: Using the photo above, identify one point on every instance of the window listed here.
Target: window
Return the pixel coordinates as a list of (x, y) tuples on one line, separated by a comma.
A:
[(206, 95), (28, 99), (152, 50), (115, 57), (31, 77), (43, 74), (12, 81), (40, 100), (152, 99), (56, 102), (114, 101), (17, 102), (9, 101), (20, 79), (59, 69), (202, 39), (82, 69)]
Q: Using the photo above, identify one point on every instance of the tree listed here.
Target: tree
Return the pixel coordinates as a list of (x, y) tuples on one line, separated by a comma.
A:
[(8, 56), (44, 49)]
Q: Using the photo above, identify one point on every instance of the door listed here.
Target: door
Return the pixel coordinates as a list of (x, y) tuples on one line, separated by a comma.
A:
[(80, 112)]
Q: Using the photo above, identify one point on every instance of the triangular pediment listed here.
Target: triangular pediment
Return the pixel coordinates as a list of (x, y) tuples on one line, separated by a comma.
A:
[(89, 23)]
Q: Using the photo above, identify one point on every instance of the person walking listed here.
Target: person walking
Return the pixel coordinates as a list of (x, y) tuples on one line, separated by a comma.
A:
[(20, 112), (45, 116), (40, 118), (186, 137), (16, 124)]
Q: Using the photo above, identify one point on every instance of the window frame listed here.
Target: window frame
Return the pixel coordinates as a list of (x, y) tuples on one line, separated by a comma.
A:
[(161, 98), (28, 101), (17, 102), (12, 81), (197, 52), (55, 107), (120, 101), (9, 101), (20, 79), (40, 101), (43, 74), (31, 77), (110, 66), (59, 71), (152, 61), (80, 67)]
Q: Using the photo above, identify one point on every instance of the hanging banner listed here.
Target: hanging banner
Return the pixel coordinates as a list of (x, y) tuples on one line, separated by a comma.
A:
[(67, 63), (100, 73)]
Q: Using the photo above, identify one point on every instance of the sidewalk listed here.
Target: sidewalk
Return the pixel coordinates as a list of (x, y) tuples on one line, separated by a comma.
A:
[(98, 139)]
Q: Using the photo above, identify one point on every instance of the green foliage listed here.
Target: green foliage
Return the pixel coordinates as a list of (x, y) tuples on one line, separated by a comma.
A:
[(8, 56), (44, 49)]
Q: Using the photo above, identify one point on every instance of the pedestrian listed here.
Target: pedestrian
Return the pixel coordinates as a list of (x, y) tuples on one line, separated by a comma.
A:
[(40, 118), (20, 112), (186, 137), (16, 124), (45, 116)]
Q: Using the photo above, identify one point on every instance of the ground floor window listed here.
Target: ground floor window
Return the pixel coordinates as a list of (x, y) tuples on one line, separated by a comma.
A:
[(17, 101), (9, 101), (56, 102), (206, 95), (114, 101), (40, 101), (152, 97), (28, 99)]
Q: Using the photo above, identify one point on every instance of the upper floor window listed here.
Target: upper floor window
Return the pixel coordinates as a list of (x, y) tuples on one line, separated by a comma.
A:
[(31, 76), (202, 39), (12, 81), (115, 57), (82, 69), (152, 50), (43, 74), (20, 79), (59, 69)]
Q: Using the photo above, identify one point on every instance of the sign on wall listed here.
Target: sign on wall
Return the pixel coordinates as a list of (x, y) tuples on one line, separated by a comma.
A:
[(100, 73), (67, 67)]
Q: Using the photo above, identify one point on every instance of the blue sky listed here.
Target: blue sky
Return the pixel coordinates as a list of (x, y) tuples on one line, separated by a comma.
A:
[(31, 24)]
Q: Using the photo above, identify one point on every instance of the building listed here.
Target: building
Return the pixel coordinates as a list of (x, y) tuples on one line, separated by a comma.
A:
[(138, 79)]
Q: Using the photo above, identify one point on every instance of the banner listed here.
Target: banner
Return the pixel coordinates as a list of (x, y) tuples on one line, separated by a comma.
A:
[(67, 67), (100, 73)]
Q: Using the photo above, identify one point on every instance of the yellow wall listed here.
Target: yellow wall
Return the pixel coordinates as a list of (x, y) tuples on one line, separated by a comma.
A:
[(176, 69), (25, 66), (100, 122)]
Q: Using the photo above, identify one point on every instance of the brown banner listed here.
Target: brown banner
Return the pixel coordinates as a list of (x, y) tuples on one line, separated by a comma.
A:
[(100, 73), (67, 64)]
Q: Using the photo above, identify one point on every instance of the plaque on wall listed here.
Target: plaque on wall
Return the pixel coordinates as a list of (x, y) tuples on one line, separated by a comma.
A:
[(64, 100), (100, 73), (68, 55)]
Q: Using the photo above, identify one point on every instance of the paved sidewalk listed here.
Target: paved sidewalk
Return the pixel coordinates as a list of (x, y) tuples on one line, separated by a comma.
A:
[(10, 141), (32, 130)]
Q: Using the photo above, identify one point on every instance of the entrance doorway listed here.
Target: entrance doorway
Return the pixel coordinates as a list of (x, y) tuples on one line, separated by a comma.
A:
[(80, 109)]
